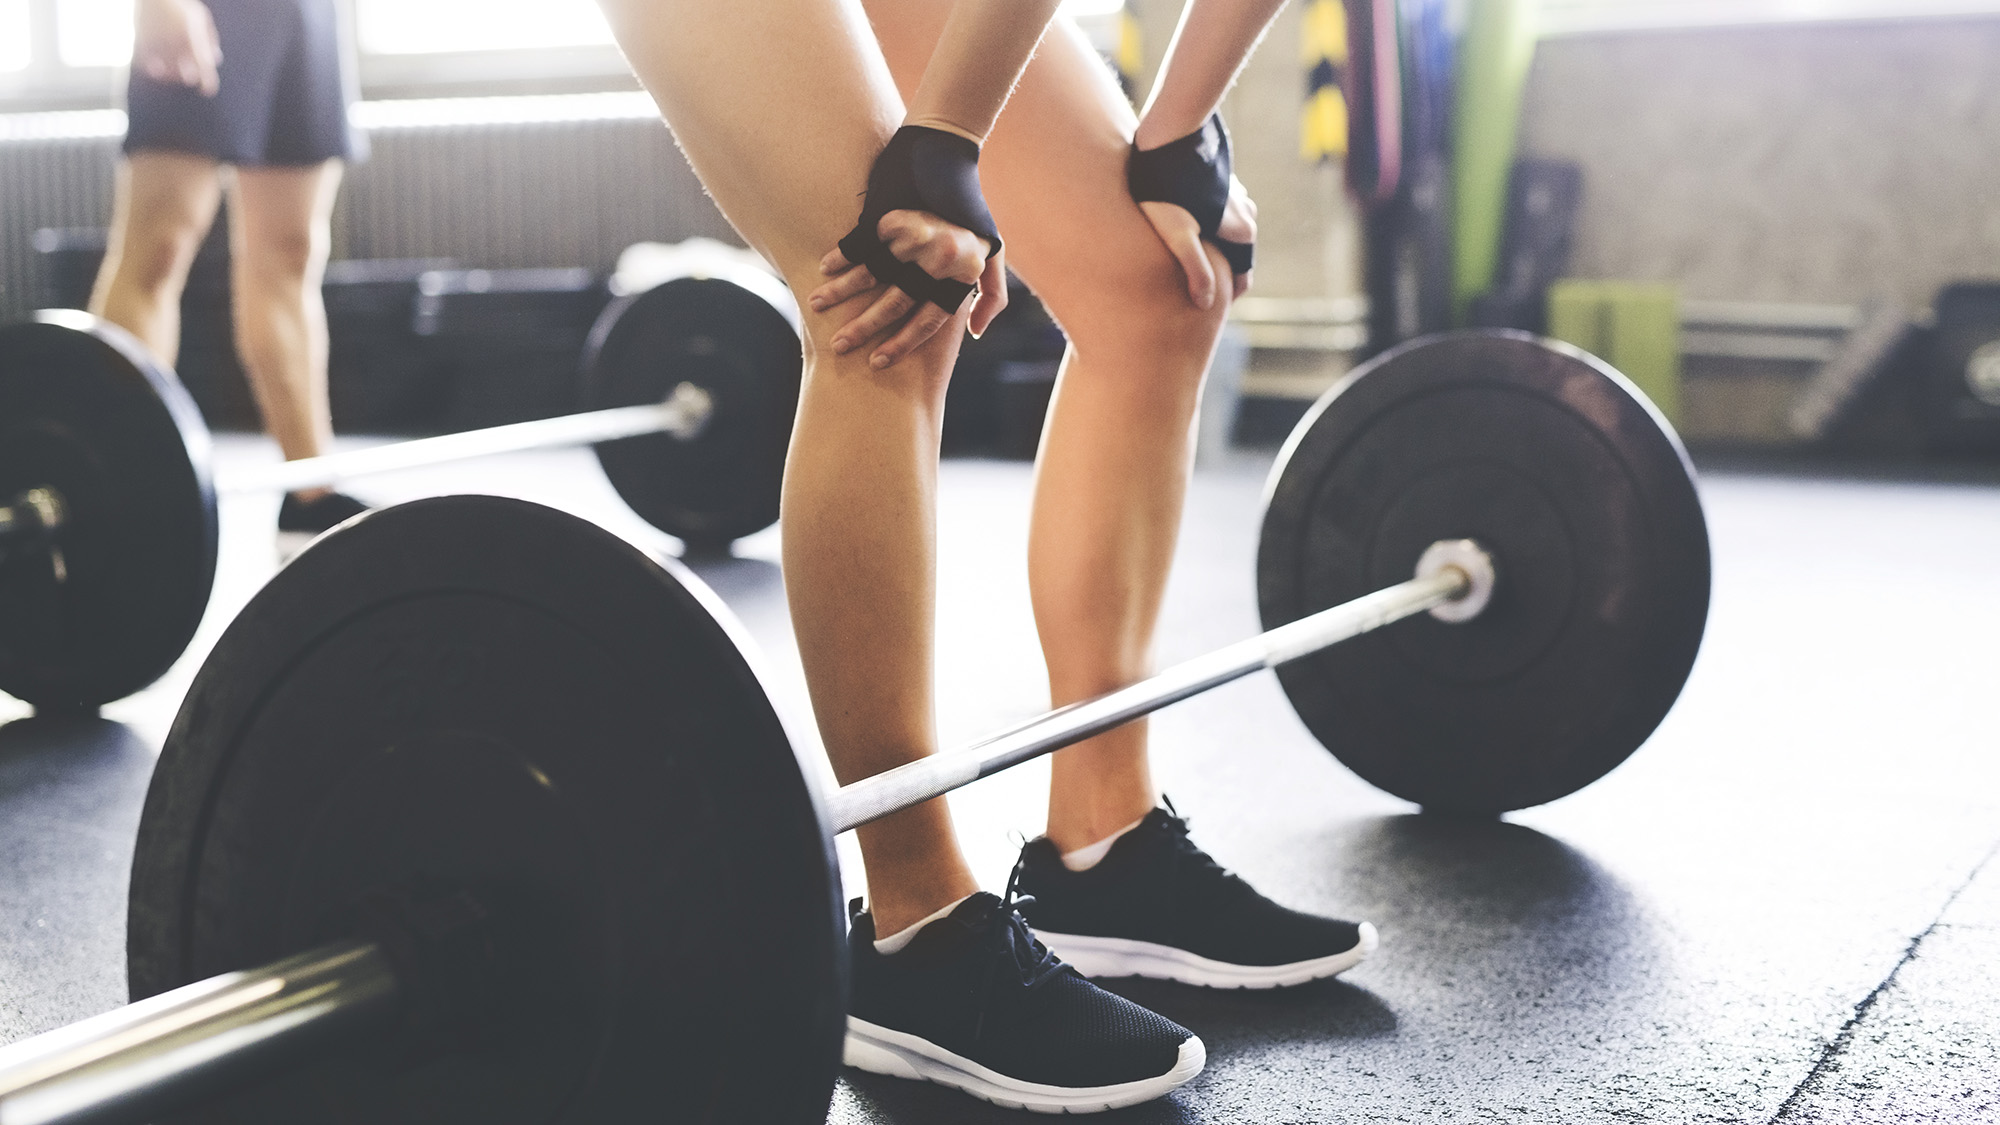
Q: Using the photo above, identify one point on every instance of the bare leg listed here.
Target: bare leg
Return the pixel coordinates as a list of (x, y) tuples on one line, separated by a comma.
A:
[(164, 204), (1114, 461), (280, 232), (781, 107)]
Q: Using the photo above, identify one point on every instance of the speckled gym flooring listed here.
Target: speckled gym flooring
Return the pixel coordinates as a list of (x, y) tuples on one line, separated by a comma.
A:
[(1786, 907)]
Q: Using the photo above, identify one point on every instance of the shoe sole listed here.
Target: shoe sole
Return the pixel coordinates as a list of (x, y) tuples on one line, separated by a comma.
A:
[(1123, 957), (881, 1050)]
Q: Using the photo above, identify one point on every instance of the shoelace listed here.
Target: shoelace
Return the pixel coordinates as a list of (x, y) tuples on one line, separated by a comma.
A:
[(1034, 963), (1196, 869)]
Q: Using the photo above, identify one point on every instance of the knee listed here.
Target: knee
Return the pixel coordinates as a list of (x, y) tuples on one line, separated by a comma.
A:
[(1136, 316), (919, 378), (282, 258), (156, 260)]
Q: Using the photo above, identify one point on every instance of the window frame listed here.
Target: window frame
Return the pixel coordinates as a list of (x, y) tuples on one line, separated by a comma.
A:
[(1603, 17), (46, 84)]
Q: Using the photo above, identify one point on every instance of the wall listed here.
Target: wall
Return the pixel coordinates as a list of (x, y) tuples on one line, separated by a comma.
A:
[(534, 193), (1803, 162), (1309, 240)]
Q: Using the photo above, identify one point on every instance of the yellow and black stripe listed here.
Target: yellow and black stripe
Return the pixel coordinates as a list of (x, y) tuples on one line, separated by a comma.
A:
[(1323, 41), (1130, 57)]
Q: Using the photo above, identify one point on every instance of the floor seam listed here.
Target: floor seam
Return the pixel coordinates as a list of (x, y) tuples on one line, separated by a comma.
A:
[(1833, 1049)]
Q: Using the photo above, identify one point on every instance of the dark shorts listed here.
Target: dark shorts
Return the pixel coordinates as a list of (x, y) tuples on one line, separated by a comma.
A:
[(285, 88)]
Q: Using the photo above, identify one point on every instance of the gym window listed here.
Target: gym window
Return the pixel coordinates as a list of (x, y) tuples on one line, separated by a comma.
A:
[(1576, 16), (411, 27)]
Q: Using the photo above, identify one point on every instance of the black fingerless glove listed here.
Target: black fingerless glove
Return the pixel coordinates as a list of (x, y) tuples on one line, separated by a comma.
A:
[(1193, 173), (921, 169)]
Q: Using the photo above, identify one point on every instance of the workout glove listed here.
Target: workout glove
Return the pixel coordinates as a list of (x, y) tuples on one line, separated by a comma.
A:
[(921, 169), (1193, 173)]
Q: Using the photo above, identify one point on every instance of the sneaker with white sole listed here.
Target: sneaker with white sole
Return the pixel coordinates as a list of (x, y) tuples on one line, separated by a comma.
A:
[(976, 1003), (1157, 906)]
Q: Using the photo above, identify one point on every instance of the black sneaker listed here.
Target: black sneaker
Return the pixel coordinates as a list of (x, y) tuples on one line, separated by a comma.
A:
[(310, 517), (1157, 906), (976, 1003), (302, 521)]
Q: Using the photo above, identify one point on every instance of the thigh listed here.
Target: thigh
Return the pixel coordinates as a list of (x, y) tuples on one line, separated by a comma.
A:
[(780, 106), (283, 213), (166, 196), (1054, 172)]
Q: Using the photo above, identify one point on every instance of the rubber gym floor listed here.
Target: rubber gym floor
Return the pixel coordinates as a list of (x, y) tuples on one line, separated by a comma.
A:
[(1784, 908)]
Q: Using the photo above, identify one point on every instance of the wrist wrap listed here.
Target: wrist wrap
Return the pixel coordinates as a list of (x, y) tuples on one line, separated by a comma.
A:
[(1192, 172), (921, 169)]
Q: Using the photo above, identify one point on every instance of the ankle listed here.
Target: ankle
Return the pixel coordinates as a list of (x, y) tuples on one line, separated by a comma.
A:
[(1076, 827), (896, 905), (1088, 856), (888, 942)]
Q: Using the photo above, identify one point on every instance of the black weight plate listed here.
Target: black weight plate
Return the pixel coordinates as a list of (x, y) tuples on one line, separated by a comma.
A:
[(1587, 503), (472, 694), (733, 341), (84, 411)]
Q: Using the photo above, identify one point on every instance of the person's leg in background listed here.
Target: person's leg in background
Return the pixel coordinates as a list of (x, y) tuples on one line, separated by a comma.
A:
[(162, 209), (280, 235)]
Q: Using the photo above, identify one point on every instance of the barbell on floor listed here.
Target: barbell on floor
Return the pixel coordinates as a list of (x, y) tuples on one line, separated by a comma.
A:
[(520, 793), (136, 1062), (697, 379)]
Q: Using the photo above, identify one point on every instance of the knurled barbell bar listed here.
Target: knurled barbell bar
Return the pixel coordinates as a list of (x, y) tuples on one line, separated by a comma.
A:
[(696, 378), (520, 793)]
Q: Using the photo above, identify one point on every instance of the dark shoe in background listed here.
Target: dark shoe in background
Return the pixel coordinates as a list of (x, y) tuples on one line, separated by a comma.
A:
[(302, 521)]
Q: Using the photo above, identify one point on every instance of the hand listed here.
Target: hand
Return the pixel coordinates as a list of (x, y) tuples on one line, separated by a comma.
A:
[(175, 41), (1182, 236), (939, 249)]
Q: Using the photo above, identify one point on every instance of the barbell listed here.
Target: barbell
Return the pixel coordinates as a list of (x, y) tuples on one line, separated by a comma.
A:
[(519, 795), (695, 379)]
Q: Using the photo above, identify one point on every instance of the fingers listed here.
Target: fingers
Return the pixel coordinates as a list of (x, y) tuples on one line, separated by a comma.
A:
[(992, 294), (887, 311), (929, 319), (937, 247), (843, 288), (1239, 215), (940, 249), (206, 52), (1239, 224), (1182, 237)]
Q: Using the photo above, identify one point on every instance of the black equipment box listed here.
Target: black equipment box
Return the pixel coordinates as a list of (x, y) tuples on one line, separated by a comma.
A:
[(509, 341), (381, 375), (1958, 398)]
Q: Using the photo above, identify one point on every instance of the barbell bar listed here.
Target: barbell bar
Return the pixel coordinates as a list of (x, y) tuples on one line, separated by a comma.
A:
[(696, 380), (131, 1064), (1454, 581), (134, 1062), (683, 416)]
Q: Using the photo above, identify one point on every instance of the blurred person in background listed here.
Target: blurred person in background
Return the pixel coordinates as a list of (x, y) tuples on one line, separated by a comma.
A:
[(247, 97)]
